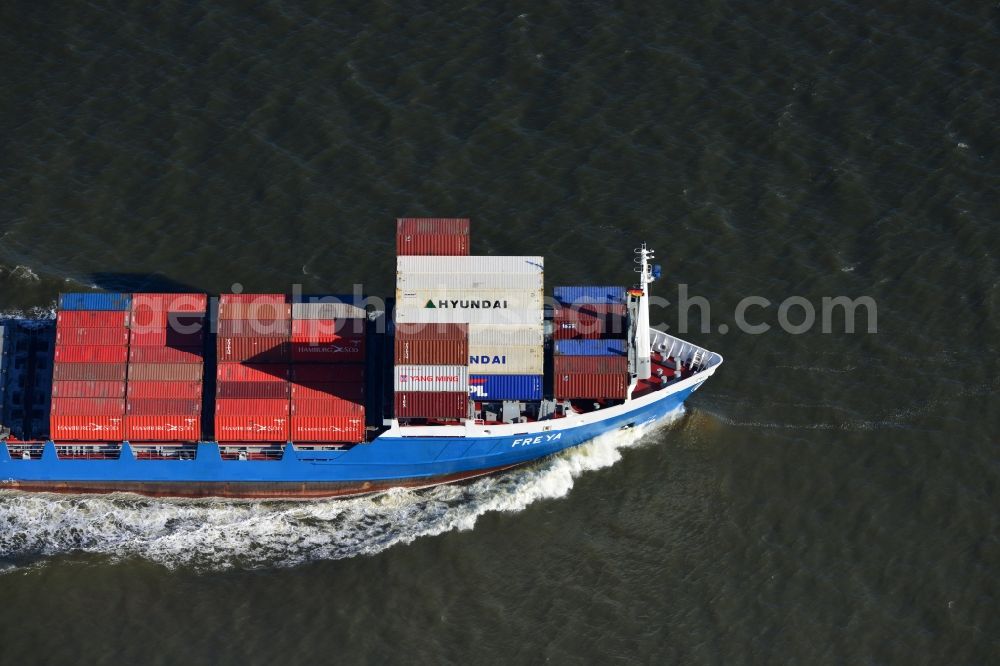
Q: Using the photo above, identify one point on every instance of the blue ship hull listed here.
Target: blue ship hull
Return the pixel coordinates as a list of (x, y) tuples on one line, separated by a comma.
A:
[(388, 461)]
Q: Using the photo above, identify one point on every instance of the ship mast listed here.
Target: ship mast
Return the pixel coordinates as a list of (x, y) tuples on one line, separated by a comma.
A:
[(638, 305)]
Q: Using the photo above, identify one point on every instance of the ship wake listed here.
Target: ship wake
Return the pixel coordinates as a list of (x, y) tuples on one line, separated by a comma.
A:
[(226, 534)]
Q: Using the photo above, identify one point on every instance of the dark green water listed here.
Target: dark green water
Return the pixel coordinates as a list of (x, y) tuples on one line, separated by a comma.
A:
[(827, 498)]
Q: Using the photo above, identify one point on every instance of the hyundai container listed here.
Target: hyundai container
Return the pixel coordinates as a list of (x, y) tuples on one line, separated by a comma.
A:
[(500, 360)]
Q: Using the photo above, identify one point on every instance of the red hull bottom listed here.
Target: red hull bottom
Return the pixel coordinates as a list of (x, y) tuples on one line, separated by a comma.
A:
[(242, 490)]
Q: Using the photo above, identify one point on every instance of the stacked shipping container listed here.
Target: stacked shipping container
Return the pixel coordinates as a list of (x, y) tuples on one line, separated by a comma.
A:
[(500, 302), (328, 389), (253, 352), (431, 376), (89, 374), (590, 357), (166, 367)]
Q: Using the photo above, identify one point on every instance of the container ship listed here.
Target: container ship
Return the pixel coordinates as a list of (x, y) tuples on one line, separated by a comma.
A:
[(468, 370)]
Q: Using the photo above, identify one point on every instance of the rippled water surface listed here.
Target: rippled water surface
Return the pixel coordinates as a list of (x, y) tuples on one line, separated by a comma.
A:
[(826, 498)]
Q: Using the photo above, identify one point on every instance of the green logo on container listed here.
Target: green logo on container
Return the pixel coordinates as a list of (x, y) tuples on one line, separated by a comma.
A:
[(430, 304)]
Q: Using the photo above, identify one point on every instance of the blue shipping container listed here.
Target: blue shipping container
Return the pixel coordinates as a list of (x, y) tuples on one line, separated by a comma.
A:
[(95, 301), (589, 295), (591, 347), (505, 387)]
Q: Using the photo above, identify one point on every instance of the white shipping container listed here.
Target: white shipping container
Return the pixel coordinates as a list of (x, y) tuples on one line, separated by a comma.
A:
[(501, 316), (501, 360), (470, 264), (491, 299), (327, 311), (506, 336), (462, 281), (431, 378)]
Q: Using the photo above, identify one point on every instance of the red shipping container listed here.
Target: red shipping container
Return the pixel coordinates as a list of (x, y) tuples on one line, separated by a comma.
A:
[(325, 390), (253, 299), (432, 236), (164, 390), (88, 406), (327, 406), (343, 351), (249, 428), (91, 336), (159, 406), (432, 352), (164, 355), (182, 321), (327, 330), (328, 373), (263, 311), (435, 331), (162, 428), (431, 405), (107, 372), (590, 364), (238, 372), (88, 389), (82, 354), (590, 321), (252, 350), (165, 372), (589, 386), (254, 328), (87, 428), (91, 319), (169, 302), (167, 337), (421, 226), (255, 390), (249, 407), (590, 377), (328, 429)]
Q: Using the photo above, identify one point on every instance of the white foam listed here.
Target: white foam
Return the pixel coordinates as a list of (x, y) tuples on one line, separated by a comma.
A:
[(35, 316), (216, 534)]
